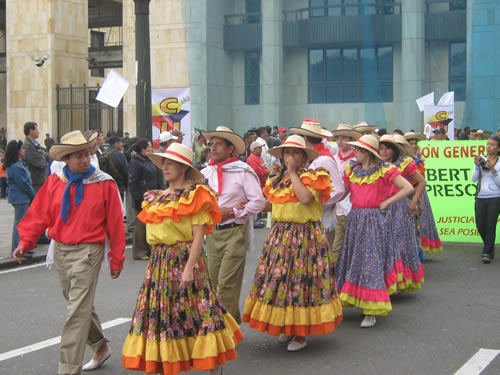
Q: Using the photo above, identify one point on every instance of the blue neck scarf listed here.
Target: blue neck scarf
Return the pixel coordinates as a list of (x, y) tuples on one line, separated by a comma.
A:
[(76, 179)]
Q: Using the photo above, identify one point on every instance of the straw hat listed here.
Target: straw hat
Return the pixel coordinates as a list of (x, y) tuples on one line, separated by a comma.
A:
[(403, 142), (369, 143), (181, 154), (311, 128), (388, 138), (417, 136), (71, 142), (227, 134), (294, 141), (346, 131), (364, 127)]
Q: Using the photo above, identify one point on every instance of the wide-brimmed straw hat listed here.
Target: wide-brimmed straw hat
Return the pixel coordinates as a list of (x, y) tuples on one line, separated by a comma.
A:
[(181, 154), (71, 142), (367, 142), (363, 127), (398, 138), (227, 134), (294, 141), (388, 138), (311, 128), (346, 131), (417, 136)]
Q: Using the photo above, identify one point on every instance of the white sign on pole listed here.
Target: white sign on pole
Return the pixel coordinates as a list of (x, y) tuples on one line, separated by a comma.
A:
[(113, 89)]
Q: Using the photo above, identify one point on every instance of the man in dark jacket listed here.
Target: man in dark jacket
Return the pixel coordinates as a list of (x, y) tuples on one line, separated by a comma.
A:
[(119, 163), (35, 156)]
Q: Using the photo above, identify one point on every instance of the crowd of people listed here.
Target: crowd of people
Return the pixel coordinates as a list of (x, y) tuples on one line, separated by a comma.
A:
[(351, 221)]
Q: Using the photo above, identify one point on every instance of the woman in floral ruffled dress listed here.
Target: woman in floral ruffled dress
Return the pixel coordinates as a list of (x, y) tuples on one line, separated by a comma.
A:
[(293, 293), (179, 322)]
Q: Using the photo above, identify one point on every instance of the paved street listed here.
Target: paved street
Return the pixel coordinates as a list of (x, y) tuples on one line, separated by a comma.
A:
[(434, 331)]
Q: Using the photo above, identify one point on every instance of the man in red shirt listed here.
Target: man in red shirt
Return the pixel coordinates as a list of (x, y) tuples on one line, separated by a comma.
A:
[(255, 161), (81, 207)]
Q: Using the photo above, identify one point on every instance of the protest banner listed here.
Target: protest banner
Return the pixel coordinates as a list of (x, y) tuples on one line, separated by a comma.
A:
[(171, 109), (449, 166)]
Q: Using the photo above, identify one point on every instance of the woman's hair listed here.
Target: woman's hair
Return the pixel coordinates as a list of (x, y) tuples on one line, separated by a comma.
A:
[(394, 148), (496, 138), (140, 145), (12, 153)]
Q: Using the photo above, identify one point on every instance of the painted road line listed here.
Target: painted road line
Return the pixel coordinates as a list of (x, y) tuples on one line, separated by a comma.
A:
[(23, 268), (54, 341), (478, 362)]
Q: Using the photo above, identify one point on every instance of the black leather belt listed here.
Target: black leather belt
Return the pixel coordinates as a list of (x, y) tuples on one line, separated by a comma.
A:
[(226, 226)]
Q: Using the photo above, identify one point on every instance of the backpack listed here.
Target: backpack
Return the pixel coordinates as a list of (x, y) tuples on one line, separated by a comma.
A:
[(107, 165)]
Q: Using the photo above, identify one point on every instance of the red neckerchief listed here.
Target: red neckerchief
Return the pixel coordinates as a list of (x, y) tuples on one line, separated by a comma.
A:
[(219, 169), (323, 150), (344, 158)]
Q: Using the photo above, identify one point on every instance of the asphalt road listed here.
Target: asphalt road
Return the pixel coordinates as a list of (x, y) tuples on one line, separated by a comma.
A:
[(434, 331)]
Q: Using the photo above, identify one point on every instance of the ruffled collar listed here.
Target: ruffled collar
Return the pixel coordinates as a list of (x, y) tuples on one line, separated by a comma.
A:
[(159, 196), (276, 176), (362, 173)]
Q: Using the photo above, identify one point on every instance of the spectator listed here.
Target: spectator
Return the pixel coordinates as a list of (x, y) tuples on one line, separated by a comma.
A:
[(3, 139), (200, 144), (178, 134), (127, 142), (3, 176), (166, 138), (282, 134), (118, 167), (487, 206), (143, 175), (35, 155), (99, 144), (262, 134), (21, 191), (271, 140), (48, 142), (381, 132), (248, 138), (397, 131), (275, 132), (255, 161), (465, 135), (204, 159)]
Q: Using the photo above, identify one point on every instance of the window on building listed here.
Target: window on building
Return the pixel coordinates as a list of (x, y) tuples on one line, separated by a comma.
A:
[(252, 77), (350, 75), (97, 41), (253, 10), (322, 8), (458, 70), (458, 4)]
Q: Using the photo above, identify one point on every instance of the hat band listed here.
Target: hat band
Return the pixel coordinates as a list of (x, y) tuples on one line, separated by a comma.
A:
[(293, 143), (367, 145), (179, 156)]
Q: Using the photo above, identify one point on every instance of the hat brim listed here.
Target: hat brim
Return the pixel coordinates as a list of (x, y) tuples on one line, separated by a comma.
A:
[(347, 133), (277, 151), (157, 159), (418, 137), (59, 150), (365, 128), (308, 133), (234, 138), (357, 144), (399, 146)]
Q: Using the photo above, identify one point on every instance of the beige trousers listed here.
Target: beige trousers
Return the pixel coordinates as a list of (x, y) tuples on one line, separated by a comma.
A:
[(339, 236), (226, 251), (78, 267)]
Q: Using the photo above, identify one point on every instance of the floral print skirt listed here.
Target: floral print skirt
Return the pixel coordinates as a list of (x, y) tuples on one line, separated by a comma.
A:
[(174, 328), (404, 241), (293, 291), (367, 268), (429, 237)]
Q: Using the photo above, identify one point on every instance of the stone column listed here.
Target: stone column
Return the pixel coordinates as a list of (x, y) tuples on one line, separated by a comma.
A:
[(57, 29), (483, 78), (412, 64), (271, 67)]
